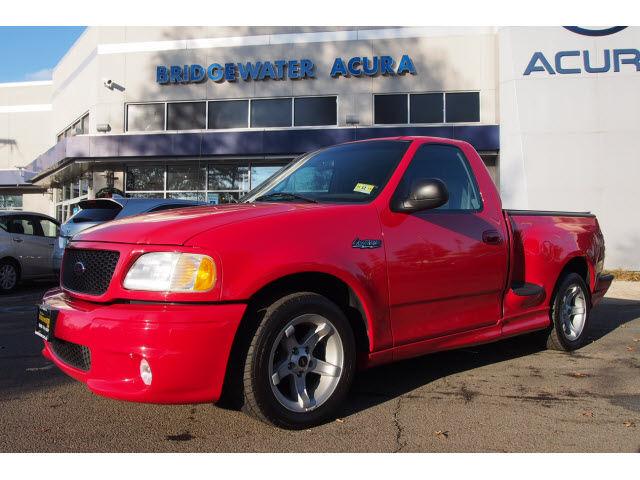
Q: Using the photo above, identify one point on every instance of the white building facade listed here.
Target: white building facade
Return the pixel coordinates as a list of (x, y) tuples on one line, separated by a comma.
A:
[(209, 112)]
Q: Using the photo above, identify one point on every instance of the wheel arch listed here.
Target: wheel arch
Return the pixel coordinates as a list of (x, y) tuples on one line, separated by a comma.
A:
[(579, 265), (332, 287)]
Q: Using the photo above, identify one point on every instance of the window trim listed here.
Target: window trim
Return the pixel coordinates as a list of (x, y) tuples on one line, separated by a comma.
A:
[(249, 123), (444, 108)]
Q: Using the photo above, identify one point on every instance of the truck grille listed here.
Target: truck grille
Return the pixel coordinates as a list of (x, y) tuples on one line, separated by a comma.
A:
[(78, 356), (88, 271)]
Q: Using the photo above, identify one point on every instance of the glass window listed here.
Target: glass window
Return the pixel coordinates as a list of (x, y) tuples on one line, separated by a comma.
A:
[(199, 196), (185, 177), (354, 172), (145, 178), (49, 228), (75, 188), (11, 202), (229, 114), (315, 111), (463, 107), (228, 177), (272, 112), (427, 108), (84, 186), (216, 198), (145, 118), (186, 116), (260, 174), (449, 165), (22, 225), (389, 109), (145, 195), (4, 224)]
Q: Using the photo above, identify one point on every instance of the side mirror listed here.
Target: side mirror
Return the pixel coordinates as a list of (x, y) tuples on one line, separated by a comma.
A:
[(424, 194)]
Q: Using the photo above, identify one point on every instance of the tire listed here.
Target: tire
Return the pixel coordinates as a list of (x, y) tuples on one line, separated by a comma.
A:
[(300, 363), (570, 311), (9, 276)]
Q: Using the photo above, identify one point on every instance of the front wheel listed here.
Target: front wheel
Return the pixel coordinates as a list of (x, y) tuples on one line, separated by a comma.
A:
[(570, 309), (301, 362)]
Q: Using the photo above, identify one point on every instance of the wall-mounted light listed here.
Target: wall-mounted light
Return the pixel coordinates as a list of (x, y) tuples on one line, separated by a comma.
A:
[(107, 82), (103, 127)]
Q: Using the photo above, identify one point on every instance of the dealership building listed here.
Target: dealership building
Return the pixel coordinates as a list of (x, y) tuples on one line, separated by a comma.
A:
[(208, 113)]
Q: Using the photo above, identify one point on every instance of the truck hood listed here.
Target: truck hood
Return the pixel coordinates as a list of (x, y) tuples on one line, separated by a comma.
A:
[(175, 227)]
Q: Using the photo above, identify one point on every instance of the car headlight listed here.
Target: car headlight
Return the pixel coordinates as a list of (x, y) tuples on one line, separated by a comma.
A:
[(171, 272)]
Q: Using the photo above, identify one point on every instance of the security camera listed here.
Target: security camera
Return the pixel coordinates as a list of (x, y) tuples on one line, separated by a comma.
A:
[(108, 83)]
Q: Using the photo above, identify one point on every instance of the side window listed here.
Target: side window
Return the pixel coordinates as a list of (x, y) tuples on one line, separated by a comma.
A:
[(449, 164), (49, 228), (22, 225), (4, 224)]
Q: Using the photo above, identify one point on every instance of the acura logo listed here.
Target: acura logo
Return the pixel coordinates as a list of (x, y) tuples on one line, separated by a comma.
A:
[(595, 32), (79, 268)]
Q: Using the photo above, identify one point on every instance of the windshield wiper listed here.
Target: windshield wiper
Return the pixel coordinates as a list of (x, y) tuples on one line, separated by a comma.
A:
[(284, 196)]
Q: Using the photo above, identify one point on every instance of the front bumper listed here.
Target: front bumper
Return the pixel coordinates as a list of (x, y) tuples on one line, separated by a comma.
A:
[(186, 345)]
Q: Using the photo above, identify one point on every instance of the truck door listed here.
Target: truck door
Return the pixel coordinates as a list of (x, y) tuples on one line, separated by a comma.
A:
[(447, 266)]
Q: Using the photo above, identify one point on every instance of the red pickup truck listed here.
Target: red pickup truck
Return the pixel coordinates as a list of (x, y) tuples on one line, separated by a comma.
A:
[(358, 254)]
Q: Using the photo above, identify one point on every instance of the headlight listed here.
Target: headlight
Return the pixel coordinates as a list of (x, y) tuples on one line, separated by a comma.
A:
[(171, 272)]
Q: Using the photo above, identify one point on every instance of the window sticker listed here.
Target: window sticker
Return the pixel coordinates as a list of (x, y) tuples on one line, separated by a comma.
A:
[(364, 188)]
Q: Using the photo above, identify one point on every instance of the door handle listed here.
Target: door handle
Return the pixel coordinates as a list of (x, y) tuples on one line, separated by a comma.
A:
[(491, 237), (17, 239)]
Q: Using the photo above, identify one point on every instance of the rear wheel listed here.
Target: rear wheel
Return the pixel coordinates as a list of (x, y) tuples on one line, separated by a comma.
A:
[(9, 276), (570, 309), (300, 363)]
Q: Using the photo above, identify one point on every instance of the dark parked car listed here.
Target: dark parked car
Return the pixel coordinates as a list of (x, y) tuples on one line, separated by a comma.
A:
[(26, 244), (95, 212)]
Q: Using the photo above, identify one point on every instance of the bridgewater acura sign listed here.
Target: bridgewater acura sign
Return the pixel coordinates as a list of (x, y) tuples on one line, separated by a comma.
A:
[(282, 69)]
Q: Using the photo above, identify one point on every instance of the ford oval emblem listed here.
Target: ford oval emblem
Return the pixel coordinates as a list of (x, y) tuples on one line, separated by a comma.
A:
[(79, 268)]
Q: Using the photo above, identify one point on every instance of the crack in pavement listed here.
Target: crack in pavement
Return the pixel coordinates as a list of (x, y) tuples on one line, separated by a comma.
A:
[(401, 444)]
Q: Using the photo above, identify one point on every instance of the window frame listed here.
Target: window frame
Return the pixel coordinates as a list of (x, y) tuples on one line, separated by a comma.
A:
[(439, 210)]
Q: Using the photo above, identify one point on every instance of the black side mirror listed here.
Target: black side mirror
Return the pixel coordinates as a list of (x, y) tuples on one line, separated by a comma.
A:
[(424, 194)]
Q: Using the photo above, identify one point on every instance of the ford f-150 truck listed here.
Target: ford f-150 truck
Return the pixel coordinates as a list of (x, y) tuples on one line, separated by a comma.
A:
[(354, 255)]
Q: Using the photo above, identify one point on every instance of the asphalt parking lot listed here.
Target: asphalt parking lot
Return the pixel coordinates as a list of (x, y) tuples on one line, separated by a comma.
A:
[(510, 396)]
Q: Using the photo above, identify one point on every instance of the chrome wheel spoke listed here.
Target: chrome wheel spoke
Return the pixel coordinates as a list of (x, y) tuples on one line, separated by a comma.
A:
[(282, 371), (316, 336), (288, 341), (324, 368), (300, 389)]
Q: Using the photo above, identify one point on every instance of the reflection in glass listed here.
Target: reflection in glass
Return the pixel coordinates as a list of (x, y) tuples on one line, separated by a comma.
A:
[(185, 177), (228, 177), (260, 174), (199, 196), (145, 178), (145, 118)]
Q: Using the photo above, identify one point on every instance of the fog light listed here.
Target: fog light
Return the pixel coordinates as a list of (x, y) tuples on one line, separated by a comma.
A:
[(145, 372)]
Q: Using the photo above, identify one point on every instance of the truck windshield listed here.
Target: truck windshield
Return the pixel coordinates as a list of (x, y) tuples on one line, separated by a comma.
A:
[(350, 173)]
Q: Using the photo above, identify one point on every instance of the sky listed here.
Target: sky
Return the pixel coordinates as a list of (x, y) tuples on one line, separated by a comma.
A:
[(30, 54)]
